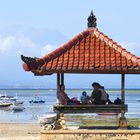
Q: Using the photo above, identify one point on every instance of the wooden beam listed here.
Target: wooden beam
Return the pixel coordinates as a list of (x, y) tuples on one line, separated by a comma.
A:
[(50, 71), (62, 78), (90, 108), (58, 87)]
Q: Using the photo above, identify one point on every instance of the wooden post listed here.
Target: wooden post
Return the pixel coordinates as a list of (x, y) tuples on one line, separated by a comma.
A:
[(62, 78), (123, 88), (57, 123), (58, 86), (60, 122), (122, 92), (122, 121)]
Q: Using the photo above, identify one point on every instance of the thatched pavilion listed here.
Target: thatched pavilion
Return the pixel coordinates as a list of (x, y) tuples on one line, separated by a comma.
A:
[(92, 52)]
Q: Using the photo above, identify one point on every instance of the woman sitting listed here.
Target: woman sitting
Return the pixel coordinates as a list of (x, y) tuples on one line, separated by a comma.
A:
[(64, 99), (99, 95)]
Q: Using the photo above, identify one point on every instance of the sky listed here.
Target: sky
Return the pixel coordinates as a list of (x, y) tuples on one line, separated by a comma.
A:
[(37, 27)]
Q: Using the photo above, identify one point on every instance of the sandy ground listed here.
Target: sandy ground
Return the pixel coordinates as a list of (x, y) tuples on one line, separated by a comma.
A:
[(19, 131)]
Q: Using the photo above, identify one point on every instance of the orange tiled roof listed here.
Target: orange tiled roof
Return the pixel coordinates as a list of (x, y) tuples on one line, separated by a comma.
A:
[(89, 52)]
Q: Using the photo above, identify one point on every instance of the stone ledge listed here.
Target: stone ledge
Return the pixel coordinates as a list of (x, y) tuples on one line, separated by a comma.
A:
[(89, 131), (90, 134)]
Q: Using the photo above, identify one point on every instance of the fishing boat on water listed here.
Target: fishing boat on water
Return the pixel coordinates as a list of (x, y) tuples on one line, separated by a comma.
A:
[(16, 108), (18, 102), (6, 97), (37, 99), (4, 104), (10, 99)]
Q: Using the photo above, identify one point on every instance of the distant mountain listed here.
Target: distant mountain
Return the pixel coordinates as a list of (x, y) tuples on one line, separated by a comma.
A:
[(19, 39), (40, 36)]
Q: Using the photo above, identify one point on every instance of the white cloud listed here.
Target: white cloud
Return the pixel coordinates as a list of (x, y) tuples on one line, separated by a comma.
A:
[(6, 43), (47, 49), (133, 47), (29, 41), (15, 46), (11, 45)]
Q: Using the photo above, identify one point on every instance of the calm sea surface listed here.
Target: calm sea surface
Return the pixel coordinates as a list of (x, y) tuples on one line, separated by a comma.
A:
[(29, 115)]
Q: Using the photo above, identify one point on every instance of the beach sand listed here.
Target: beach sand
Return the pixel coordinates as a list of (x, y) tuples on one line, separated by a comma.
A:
[(14, 131)]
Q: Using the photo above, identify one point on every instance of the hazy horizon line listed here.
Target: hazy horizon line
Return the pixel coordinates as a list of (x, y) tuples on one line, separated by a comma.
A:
[(66, 89)]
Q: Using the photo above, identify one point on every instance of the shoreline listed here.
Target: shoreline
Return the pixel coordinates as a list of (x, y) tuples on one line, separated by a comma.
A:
[(31, 131)]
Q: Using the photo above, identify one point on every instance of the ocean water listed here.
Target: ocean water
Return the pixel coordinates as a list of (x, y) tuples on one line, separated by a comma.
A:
[(32, 111)]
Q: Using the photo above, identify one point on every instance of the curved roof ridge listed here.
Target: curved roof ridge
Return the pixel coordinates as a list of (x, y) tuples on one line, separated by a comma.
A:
[(116, 46)]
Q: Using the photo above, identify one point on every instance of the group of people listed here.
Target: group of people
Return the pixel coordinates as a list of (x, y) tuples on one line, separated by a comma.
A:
[(98, 97)]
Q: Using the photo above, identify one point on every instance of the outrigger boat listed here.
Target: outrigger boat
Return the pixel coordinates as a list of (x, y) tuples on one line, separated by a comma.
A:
[(7, 97), (18, 102), (3, 104), (17, 108), (11, 99), (138, 100), (37, 100)]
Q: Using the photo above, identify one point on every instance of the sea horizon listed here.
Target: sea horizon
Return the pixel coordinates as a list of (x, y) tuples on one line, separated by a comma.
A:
[(109, 90), (66, 88)]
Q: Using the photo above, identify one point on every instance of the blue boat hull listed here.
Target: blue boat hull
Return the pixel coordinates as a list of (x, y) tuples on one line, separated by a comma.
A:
[(41, 101)]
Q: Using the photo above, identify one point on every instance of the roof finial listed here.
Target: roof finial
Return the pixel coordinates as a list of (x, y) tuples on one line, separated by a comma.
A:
[(92, 20)]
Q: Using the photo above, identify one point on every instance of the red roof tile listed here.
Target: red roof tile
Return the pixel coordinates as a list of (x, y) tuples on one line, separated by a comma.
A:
[(89, 52)]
